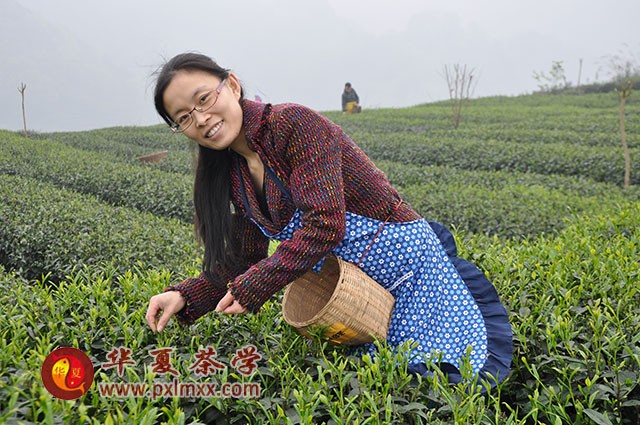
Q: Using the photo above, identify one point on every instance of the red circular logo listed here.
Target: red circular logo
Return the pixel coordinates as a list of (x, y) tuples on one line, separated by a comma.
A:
[(67, 373)]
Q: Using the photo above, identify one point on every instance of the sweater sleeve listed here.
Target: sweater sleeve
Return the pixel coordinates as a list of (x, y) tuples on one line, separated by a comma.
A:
[(203, 293), (312, 148)]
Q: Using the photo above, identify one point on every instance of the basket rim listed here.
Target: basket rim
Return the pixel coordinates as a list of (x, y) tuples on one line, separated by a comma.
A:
[(333, 296)]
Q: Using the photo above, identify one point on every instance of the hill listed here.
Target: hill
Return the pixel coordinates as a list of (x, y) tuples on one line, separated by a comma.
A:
[(531, 186)]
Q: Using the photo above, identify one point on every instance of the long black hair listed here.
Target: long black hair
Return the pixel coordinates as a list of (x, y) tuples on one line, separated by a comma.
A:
[(211, 190)]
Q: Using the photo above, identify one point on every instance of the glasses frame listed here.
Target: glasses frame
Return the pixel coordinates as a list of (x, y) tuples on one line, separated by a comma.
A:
[(176, 128)]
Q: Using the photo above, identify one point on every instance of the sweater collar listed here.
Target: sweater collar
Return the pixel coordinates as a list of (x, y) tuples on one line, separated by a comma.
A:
[(254, 117)]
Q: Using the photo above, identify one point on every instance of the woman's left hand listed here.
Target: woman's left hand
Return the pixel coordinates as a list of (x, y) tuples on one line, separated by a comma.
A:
[(229, 305)]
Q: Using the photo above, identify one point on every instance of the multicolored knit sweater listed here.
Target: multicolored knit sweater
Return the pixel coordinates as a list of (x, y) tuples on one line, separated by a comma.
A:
[(325, 173)]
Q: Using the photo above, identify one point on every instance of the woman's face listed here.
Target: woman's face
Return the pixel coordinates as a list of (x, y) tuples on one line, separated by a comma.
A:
[(219, 127)]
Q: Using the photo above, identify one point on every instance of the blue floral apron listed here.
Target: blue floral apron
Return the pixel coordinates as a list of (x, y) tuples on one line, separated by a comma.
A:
[(447, 310)]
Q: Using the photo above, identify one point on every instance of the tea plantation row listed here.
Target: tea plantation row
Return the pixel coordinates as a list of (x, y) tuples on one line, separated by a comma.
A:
[(599, 164), (574, 120), (47, 230), (478, 201), (511, 205), (129, 184), (124, 144)]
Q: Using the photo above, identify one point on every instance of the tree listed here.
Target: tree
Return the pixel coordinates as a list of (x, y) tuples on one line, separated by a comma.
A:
[(556, 80), (624, 91), (624, 68), (579, 74), (22, 89), (461, 84)]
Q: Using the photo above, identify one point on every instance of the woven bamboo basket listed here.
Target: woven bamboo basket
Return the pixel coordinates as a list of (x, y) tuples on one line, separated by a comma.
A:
[(349, 306), (153, 157)]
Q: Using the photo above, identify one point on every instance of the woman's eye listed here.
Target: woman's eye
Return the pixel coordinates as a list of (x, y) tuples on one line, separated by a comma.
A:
[(182, 119), (204, 98)]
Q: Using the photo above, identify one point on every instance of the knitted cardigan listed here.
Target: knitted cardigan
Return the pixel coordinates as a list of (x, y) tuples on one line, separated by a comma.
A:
[(325, 173)]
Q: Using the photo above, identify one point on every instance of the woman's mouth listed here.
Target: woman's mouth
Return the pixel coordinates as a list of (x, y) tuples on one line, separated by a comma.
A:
[(214, 130)]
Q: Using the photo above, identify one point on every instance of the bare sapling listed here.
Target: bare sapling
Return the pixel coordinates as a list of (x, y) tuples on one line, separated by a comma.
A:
[(22, 89), (555, 81), (625, 69), (624, 91), (460, 83)]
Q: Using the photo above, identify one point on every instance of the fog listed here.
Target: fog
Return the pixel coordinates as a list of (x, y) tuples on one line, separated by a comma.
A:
[(89, 64)]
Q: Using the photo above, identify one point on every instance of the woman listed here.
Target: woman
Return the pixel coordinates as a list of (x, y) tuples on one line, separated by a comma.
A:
[(285, 172)]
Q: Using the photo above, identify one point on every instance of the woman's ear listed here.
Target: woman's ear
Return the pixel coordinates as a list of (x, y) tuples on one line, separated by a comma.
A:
[(234, 85)]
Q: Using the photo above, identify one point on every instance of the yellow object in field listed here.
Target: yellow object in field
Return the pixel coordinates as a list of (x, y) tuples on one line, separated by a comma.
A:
[(351, 106)]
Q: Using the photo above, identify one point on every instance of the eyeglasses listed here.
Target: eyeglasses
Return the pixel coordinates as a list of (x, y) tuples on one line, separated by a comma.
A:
[(205, 102)]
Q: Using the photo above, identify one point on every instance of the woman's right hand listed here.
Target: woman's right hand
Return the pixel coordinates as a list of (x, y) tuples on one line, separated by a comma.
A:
[(162, 307)]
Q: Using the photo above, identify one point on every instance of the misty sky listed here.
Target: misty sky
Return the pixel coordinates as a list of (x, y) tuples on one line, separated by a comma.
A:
[(88, 63)]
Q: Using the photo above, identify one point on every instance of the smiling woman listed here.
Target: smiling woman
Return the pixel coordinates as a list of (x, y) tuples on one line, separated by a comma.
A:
[(188, 104), (205, 100), (286, 173)]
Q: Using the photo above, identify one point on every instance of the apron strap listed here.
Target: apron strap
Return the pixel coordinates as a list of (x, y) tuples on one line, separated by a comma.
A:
[(364, 254), (272, 175), (287, 194), (279, 183)]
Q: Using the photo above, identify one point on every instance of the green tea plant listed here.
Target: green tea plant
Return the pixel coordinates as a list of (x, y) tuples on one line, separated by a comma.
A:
[(47, 230), (128, 184), (597, 163), (125, 144), (573, 300), (575, 304)]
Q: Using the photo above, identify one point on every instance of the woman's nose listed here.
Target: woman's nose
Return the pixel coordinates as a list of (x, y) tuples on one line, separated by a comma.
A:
[(199, 117)]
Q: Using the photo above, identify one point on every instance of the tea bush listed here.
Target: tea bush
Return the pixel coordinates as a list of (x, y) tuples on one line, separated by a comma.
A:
[(510, 205), (414, 175), (47, 230), (596, 163), (125, 144), (128, 184), (573, 300), (512, 212)]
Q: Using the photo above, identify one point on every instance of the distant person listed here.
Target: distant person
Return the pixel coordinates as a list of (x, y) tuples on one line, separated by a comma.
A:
[(257, 98), (284, 172), (350, 100)]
